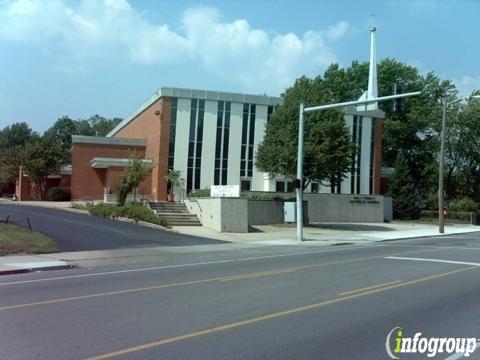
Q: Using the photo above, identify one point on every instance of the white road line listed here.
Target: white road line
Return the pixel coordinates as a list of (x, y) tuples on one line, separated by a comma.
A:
[(115, 272), (165, 267), (439, 246), (433, 260), (290, 254)]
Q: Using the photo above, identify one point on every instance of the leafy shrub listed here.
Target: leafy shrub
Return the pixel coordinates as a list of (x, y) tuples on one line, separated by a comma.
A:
[(58, 193), (453, 216), (431, 202), (135, 212), (464, 204), (81, 206), (103, 210)]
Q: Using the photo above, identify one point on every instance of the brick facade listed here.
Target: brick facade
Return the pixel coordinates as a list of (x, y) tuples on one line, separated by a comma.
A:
[(153, 124), (90, 183), (26, 190)]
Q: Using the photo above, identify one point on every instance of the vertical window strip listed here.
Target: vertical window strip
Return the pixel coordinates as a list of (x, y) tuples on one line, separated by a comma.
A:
[(359, 157), (197, 112), (245, 140), (354, 140), (372, 153), (173, 126), (225, 143), (248, 140), (222, 143)]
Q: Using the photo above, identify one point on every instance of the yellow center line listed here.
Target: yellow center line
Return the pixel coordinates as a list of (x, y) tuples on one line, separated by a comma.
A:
[(208, 280), (271, 316), (259, 274), (369, 288)]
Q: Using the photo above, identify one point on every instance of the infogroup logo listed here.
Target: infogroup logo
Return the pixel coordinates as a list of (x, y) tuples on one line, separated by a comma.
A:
[(397, 343)]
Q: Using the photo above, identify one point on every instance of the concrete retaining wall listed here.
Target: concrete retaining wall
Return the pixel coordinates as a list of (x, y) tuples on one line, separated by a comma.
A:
[(223, 215), (236, 214), (265, 212), (341, 207)]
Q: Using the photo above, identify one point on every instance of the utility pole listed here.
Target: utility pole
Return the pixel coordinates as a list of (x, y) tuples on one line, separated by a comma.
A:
[(441, 198), (299, 186)]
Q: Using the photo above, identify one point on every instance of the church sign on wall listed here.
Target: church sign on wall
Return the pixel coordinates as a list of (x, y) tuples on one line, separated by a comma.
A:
[(225, 191)]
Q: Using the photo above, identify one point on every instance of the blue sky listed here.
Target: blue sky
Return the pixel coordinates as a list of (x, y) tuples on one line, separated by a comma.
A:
[(79, 58)]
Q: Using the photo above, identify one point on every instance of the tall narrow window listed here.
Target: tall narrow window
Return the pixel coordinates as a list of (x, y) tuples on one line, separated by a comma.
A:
[(372, 155), (222, 141), (173, 126), (248, 139), (356, 158), (195, 137), (359, 154), (354, 140)]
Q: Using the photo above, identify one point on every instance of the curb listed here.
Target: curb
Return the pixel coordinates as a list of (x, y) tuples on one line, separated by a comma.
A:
[(427, 236), (35, 269)]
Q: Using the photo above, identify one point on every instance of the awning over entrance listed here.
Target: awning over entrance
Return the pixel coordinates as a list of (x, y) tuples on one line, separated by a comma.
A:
[(105, 163)]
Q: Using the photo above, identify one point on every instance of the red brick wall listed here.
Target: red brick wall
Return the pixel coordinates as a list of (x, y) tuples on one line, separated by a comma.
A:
[(114, 176), (88, 182), (65, 181), (26, 190), (156, 129)]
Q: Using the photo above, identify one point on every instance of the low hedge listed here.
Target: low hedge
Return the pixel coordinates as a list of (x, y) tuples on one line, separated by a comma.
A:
[(135, 212), (199, 193), (58, 193), (453, 216)]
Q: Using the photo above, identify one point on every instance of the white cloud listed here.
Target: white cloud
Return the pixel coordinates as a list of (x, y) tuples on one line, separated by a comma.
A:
[(467, 84), (112, 30)]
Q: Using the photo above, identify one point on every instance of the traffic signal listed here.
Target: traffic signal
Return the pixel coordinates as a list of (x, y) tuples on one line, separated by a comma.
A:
[(307, 165), (399, 104)]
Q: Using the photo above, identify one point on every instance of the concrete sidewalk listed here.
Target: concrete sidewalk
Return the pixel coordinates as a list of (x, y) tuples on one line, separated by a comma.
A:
[(330, 233), (261, 237)]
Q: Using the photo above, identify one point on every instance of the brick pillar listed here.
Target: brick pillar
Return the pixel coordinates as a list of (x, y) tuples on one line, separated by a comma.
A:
[(22, 186)]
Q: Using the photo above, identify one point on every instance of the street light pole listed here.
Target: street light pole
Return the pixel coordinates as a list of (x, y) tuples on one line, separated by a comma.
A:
[(441, 185), (441, 199), (299, 189), (303, 111)]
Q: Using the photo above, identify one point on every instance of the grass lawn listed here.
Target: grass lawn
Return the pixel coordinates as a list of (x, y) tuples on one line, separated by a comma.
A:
[(15, 240)]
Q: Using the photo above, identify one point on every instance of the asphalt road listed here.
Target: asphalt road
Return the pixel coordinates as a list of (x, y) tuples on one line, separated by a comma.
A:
[(332, 303), (78, 232)]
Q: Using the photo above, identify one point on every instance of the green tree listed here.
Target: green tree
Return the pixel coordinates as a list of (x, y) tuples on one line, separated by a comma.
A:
[(135, 173), (11, 158), (403, 191), (83, 127), (13, 139), (101, 125), (17, 134), (43, 157), (61, 133), (413, 132), (327, 138), (462, 156)]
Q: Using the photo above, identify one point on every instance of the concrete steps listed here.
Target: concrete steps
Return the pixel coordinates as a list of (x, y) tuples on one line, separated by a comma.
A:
[(175, 213)]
